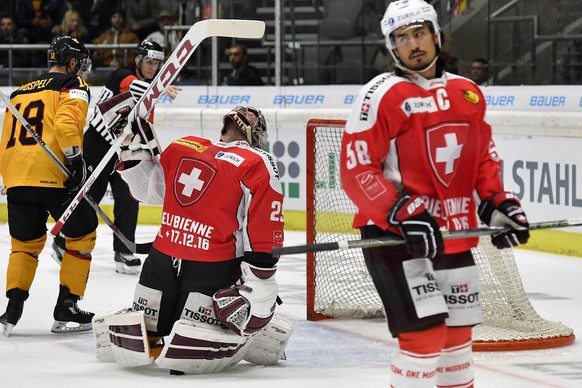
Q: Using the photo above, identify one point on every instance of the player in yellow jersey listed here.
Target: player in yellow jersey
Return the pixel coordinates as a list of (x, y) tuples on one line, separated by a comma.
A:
[(55, 104)]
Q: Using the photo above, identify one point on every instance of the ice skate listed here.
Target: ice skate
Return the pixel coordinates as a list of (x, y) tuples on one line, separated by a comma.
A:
[(69, 318), (126, 263), (10, 318), (12, 315)]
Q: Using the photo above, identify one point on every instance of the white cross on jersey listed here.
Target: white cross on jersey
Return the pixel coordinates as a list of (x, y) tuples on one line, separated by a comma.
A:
[(449, 153), (191, 182)]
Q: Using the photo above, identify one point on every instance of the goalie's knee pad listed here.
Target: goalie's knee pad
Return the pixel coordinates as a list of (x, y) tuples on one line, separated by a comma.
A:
[(268, 345), (198, 350), (129, 344)]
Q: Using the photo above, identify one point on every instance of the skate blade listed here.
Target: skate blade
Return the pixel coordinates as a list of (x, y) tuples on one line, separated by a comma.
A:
[(127, 270), (7, 329), (70, 327)]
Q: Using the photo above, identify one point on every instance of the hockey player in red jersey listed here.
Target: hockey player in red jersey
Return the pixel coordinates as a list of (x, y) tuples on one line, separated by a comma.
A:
[(221, 216), (418, 156)]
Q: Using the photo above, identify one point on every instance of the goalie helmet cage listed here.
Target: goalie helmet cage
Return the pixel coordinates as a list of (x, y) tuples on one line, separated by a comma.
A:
[(338, 283)]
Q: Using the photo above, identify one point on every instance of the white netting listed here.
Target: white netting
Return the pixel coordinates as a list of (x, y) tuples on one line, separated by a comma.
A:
[(344, 289)]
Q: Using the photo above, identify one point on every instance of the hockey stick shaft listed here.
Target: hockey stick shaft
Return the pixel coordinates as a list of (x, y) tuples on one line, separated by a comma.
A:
[(251, 29), (142, 248), (390, 241)]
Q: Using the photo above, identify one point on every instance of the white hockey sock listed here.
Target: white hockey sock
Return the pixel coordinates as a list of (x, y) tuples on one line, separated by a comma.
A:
[(455, 367), (413, 370)]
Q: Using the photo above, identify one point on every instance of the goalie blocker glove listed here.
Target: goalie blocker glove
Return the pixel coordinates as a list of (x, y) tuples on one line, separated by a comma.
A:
[(504, 210), (245, 309), (418, 227)]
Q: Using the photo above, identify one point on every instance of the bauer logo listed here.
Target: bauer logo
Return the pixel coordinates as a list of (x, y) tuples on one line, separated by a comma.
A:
[(300, 99), (500, 100), (549, 101), (216, 99)]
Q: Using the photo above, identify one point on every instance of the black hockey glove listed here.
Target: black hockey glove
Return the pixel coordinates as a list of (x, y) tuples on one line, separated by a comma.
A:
[(79, 172), (419, 229), (504, 210)]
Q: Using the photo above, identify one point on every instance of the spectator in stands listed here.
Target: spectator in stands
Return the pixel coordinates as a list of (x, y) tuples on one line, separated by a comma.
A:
[(142, 16), (243, 73), (71, 25), (120, 33), (479, 72), (165, 19), (10, 35), (91, 12), (569, 69), (37, 17)]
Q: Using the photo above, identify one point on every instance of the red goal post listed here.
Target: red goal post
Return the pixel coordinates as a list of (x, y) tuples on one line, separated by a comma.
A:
[(338, 283)]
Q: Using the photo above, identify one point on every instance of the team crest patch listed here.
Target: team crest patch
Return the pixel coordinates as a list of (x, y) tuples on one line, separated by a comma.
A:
[(192, 179), (472, 97), (445, 144)]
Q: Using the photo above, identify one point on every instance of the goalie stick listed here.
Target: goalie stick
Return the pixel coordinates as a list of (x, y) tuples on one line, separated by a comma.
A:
[(132, 246), (246, 29), (390, 241)]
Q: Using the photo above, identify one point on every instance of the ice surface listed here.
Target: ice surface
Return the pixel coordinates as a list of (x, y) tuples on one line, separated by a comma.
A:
[(332, 354)]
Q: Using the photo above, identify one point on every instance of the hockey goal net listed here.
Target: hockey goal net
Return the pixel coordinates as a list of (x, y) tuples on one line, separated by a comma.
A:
[(338, 283)]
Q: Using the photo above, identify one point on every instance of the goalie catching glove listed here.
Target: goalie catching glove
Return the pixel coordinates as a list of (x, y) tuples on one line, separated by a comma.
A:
[(245, 309), (419, 229), (115, 111), (504, 210)]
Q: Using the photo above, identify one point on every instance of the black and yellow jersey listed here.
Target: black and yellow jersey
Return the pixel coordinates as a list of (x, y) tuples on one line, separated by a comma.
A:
[(55, 105)]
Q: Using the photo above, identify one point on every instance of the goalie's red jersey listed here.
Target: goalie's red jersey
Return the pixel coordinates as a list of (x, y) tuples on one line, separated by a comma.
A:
[(221, 200), (423, 137)]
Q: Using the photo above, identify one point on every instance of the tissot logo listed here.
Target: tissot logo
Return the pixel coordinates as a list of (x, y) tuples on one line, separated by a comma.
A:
[(459, 289)]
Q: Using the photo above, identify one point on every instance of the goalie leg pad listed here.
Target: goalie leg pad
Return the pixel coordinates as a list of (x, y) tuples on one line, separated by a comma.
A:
[(268, 346), (199, 350), (128, 338), (101, 335)]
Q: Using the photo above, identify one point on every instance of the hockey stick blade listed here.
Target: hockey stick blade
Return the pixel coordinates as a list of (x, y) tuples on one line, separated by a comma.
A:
[(133, 247), (389, 241), (196, 34)]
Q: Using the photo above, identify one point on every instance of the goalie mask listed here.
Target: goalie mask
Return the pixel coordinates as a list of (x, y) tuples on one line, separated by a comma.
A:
[(63, 48), (251, 122), (404, 14)]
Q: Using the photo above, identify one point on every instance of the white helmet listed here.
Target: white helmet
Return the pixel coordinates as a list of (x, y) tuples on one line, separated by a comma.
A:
[(404, 12)]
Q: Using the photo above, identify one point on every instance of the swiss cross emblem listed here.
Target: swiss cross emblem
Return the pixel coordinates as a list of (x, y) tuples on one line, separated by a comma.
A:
[(191, 181), (445, 143)]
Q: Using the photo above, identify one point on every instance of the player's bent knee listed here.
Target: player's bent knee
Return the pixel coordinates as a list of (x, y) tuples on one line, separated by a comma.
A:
[(197, 350), (268, 345), (83, 244)]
